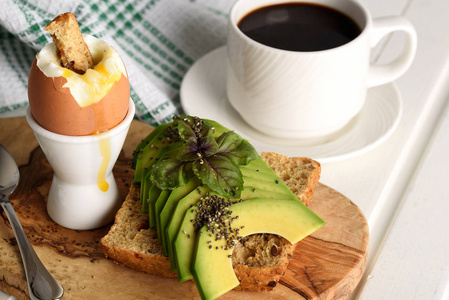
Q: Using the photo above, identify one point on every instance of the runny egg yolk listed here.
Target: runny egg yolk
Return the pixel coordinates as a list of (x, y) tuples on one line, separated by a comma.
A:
[(94, 84)]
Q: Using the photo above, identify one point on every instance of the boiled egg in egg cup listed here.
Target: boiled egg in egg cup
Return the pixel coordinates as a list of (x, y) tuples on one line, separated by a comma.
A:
[(81, 122)]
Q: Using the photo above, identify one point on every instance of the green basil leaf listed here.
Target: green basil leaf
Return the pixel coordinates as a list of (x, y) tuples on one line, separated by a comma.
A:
[(236, 148), (219, 173), (171, 173)]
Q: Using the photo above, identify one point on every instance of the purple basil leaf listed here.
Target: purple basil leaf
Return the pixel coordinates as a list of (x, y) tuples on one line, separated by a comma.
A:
[(185, 129), (207, 145), (220, 173), (236, 148), (206, 129), (198, 137), (188, 151), (192, 128)]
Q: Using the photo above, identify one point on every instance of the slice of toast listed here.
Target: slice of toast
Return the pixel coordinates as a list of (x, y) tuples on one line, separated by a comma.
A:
[(70, 46), (259, 260)]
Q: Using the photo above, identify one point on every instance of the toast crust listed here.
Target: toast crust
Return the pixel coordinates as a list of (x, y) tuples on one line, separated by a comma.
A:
[(71, 48), (259, 261)]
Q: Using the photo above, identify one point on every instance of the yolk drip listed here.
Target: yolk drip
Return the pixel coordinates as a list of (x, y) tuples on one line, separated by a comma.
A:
[(105, 152)]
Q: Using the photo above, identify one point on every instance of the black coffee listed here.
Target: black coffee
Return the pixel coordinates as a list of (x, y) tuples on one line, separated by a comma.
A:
[(299, 27)]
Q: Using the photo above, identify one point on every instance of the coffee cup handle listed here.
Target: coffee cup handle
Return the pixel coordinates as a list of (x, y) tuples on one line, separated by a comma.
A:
[(381, 74)]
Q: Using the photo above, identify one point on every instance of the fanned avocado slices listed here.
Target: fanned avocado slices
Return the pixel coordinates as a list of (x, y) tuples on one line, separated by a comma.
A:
[(166, 211), (204, 188), (176, 219)]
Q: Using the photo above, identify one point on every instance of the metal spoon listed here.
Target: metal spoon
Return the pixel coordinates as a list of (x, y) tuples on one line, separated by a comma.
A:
[(41, 284)]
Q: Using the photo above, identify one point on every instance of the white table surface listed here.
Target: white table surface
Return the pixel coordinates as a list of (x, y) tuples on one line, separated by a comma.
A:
[(401, 186)]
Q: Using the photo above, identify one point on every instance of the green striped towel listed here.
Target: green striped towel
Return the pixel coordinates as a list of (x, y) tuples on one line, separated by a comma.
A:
[(158, 40)]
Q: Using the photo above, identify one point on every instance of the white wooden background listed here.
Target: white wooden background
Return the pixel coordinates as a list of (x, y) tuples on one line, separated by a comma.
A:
[(402, 186)]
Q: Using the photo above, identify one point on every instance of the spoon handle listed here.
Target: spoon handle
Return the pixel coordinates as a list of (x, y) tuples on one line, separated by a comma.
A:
[(41, 284)]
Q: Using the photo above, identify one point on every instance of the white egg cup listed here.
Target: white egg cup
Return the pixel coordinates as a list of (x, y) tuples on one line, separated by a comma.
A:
[(80, 163)]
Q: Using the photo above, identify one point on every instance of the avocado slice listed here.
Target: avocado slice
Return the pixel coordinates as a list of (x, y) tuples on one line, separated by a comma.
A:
[(212, 269), (268, 185), (163, 196), (144, 190), (153, 193)]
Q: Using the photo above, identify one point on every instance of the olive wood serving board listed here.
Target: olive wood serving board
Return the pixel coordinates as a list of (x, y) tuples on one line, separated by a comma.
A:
[(326, 265)]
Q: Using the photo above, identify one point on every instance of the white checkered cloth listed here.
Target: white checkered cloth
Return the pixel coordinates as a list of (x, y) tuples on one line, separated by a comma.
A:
[(158, 40)]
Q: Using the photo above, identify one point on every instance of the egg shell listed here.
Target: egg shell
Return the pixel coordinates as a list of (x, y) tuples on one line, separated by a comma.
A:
[(55, 109)]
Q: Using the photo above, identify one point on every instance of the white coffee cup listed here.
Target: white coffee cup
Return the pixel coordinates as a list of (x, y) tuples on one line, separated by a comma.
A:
[(294, 94)]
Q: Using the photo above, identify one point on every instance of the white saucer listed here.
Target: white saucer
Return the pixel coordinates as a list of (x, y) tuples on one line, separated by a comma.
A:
[(203, 94)]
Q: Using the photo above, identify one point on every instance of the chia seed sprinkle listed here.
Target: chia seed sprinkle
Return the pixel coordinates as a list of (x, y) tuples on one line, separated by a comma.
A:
[(214, 212)]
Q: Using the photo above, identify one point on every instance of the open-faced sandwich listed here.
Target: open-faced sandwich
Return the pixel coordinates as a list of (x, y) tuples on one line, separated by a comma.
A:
[(204, 205)]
